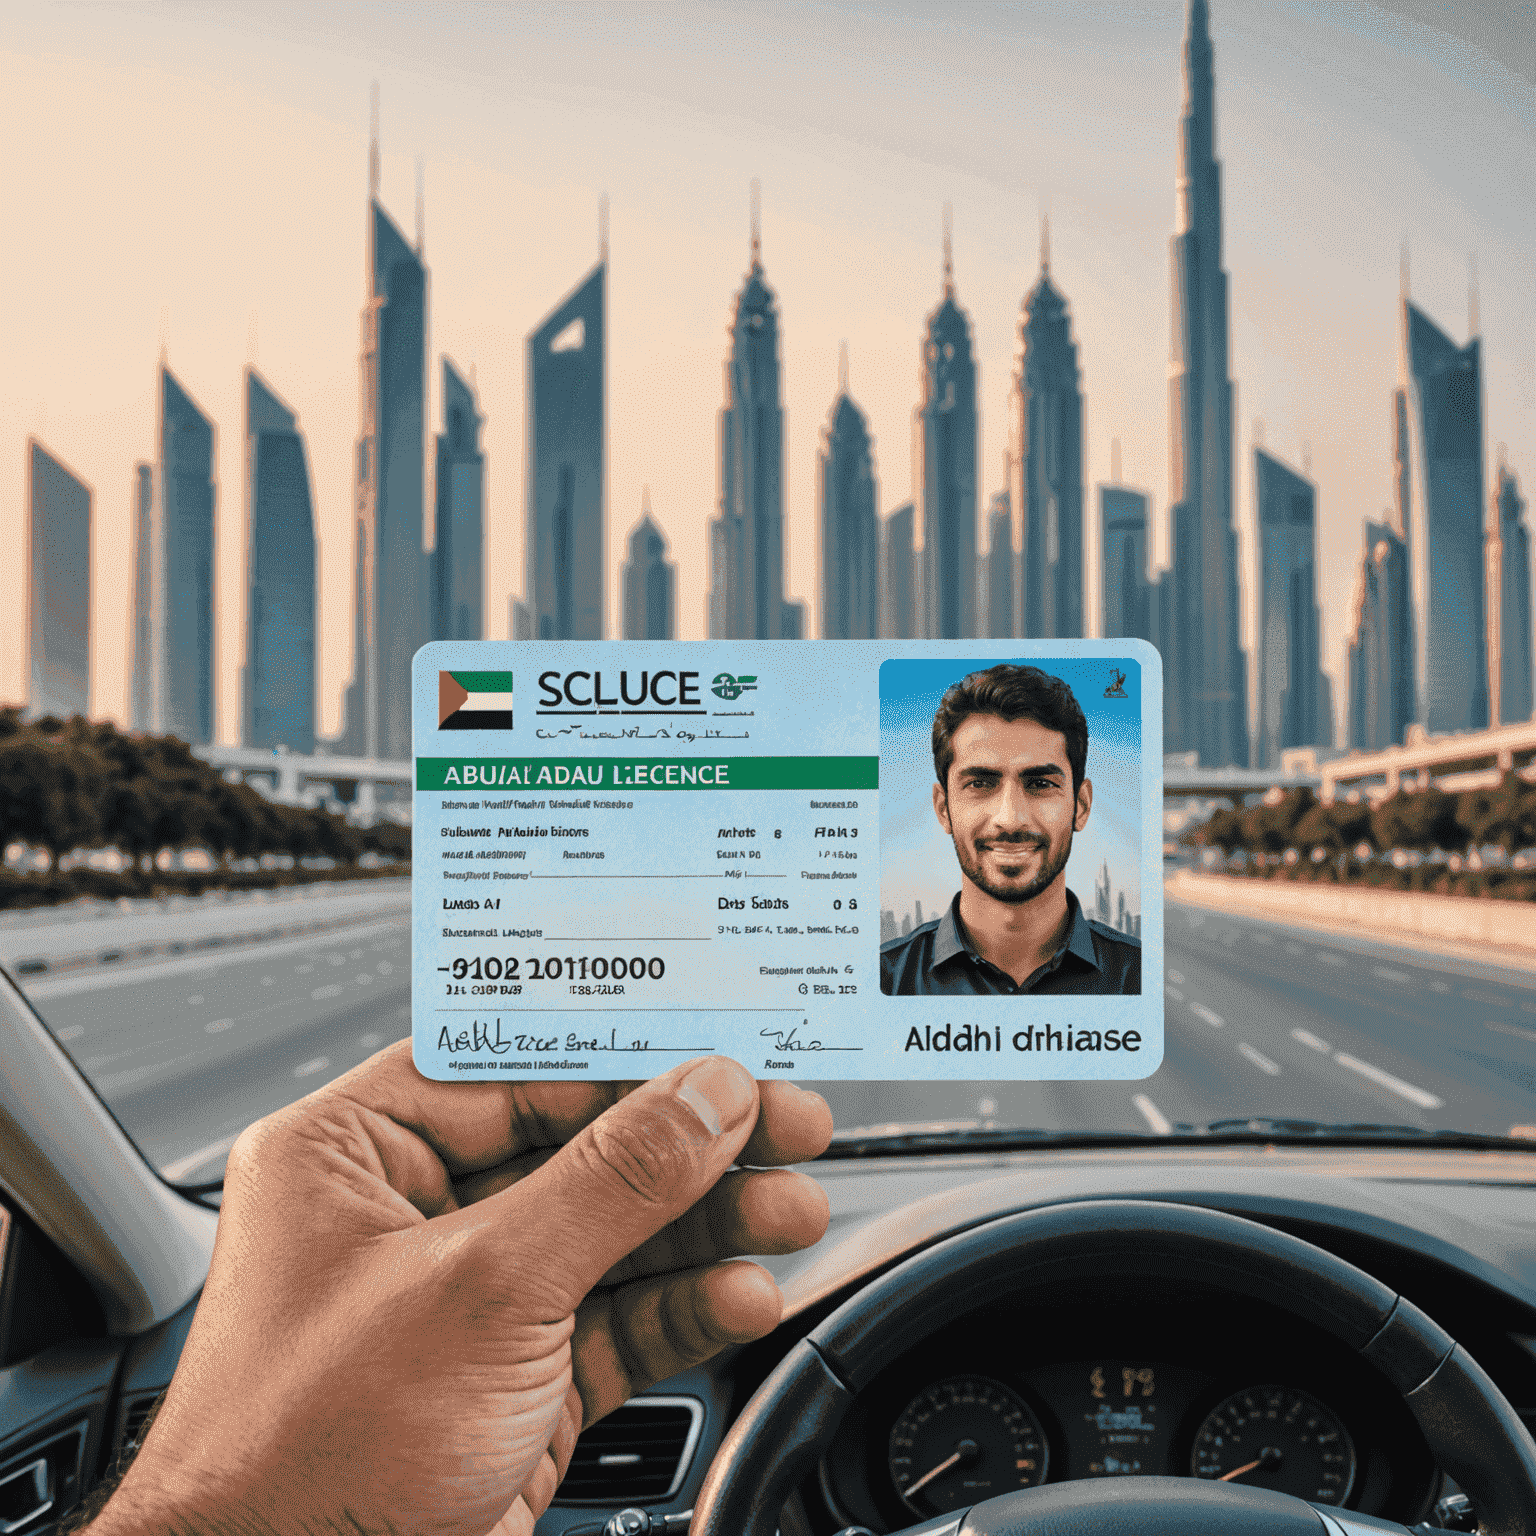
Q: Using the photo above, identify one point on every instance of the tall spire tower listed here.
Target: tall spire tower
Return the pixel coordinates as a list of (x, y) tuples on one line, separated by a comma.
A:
[(944, 473), (392, 615), (1206, 703)]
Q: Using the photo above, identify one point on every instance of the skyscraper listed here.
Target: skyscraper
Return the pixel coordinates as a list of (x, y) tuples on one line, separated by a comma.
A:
[(458, 554), (1126, 612), (277, 682), (1445, 530), (183, 641), (946, 434), (58, 587), (1379, 658), (850, 523), (390, 607), (649, 581), (898, 576), (141, 613), (1290, 626), (567, 473), (1206, 701), (999, 564), (1049, 400), (746, 538), (1515, 700)]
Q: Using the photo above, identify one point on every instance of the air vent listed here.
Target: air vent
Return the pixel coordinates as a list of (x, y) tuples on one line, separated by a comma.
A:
[(639, 1454), (134, 1421)]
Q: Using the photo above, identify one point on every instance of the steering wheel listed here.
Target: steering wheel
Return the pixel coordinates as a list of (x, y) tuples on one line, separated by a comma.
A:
[(1472, 1431)]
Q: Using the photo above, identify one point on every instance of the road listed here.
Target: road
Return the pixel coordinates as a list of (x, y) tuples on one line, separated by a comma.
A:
[(1261, 1019)]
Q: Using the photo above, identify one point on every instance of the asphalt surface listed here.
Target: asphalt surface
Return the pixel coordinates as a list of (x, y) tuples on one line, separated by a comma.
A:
[(1261, 1019)]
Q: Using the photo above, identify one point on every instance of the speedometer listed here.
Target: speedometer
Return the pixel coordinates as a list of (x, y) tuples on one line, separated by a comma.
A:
[(962, 1440), (1277, 1437)]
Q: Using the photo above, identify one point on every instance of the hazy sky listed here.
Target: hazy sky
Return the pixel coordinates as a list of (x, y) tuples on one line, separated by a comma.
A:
[(198, 176)]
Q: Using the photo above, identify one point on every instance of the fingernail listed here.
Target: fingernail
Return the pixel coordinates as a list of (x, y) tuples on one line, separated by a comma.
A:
[(719, 1092)]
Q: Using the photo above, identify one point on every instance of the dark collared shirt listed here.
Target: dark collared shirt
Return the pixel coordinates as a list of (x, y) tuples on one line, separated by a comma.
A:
[(939, 960)]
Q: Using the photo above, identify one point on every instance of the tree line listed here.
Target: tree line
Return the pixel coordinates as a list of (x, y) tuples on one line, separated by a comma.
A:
[(1419, 839), (77, 784)]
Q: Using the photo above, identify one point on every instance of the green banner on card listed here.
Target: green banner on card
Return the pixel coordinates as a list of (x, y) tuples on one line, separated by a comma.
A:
[(610, 774)]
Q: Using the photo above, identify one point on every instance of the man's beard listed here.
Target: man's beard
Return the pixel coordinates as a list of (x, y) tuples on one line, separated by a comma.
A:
[(1015, 895)]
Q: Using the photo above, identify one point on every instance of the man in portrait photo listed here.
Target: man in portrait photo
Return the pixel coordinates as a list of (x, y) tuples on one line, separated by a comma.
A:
[(1010, 747)]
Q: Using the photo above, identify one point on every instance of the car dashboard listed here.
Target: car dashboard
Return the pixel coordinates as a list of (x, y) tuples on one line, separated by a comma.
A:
[(1117, 1377)]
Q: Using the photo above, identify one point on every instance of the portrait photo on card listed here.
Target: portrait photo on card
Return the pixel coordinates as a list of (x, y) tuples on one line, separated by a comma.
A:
[(1011, 827)]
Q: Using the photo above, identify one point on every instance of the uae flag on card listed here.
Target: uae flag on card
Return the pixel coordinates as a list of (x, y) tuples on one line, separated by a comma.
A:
[(474, 701)]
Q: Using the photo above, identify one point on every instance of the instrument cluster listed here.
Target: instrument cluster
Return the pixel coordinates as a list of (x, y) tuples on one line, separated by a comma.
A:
[(982, 1410)]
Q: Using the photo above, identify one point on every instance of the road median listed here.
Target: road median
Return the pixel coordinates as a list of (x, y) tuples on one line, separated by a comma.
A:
[(33, 946), (1483, 927)]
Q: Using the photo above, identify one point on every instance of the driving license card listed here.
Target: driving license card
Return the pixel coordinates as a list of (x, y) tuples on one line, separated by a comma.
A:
[(829, 858)]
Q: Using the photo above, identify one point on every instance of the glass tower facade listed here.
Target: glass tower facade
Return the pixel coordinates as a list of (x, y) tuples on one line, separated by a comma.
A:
[(1205, 707), (898, 575), (1000, 563), (1049, 400), (649, 581), (184, 590), (1515, 701), (141, 615), (458, 555), (567, 477), (277, 682), (850, 525), (746, 537), (391, 609), (1290, 627), (1379, 659), (1127, 595), (1445, 430), (946, 438), (58, 587)]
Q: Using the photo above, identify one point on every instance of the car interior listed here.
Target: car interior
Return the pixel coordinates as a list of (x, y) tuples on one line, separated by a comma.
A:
[(1118, 1329)]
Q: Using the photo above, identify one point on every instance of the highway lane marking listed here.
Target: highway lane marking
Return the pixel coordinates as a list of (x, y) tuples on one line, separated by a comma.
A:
[(1200, 1011), (192, 1002), (302, 970), (1439, 986), (363, 978), (1294, 949), (1511, 1029), (323, 992), (1308, 1038), (384, 968), (73, 1032), (370, 1042), (71, 986), (1174, 993), (218, 1026), (1329, 957), (1154, 1117), (1263, 938), (1392, 1084), (308, 1068), (1176, 977), (1388, 974), (266, 981), (1258, 1058)]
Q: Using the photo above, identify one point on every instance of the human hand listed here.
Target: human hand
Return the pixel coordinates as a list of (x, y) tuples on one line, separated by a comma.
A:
[(421, 1292)]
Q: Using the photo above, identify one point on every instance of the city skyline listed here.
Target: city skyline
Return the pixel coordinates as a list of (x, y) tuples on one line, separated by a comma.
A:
[(895, 219)]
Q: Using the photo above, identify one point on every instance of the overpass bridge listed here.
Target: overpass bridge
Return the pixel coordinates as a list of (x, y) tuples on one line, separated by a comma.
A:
[(1461, 761), (295, 778)]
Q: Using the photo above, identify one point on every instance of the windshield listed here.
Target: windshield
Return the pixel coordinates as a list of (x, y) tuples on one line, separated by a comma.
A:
[(1171, 305)]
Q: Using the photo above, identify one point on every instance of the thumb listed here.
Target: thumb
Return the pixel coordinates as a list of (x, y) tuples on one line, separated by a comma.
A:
[(625, 1176)]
